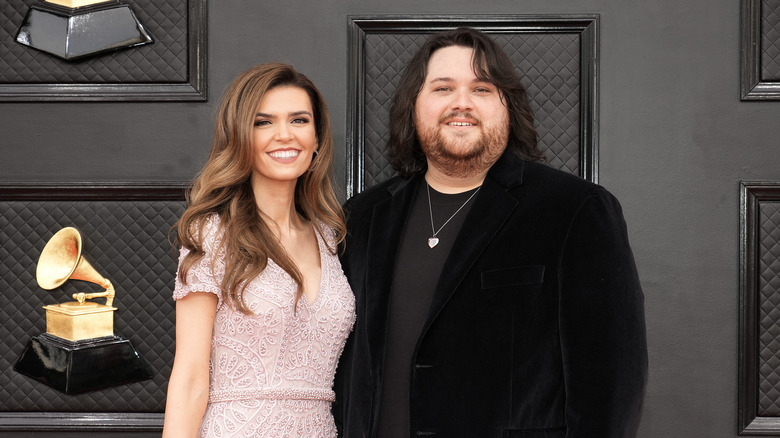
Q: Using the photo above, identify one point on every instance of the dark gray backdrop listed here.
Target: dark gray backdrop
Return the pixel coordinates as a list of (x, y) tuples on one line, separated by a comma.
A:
[(674, 142)]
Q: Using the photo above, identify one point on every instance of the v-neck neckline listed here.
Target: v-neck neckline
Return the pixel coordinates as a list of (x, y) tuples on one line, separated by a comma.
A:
[(320, 244)]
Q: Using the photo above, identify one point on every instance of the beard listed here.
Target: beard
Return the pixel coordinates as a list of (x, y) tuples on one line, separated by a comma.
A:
[(459, 156)]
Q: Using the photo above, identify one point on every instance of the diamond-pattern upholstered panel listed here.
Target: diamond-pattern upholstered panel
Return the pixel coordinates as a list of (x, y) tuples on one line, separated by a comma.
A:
[(769, 313), (549, 64), (386, 56), (164, 61), (770, 40), (125, 241)]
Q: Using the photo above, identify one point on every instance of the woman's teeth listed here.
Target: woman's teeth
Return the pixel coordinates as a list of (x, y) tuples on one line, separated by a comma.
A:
[(284, 154)]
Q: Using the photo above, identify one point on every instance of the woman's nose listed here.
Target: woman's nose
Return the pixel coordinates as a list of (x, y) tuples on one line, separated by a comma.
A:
[(283, 132)]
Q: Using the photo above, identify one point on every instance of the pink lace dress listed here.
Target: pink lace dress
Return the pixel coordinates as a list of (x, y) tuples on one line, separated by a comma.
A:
[(271, 374)]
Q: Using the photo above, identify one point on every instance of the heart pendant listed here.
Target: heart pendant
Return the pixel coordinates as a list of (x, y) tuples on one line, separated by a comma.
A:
[(433, 241)]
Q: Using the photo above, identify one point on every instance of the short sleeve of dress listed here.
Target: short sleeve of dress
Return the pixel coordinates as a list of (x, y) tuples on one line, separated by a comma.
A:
[(206, 275)]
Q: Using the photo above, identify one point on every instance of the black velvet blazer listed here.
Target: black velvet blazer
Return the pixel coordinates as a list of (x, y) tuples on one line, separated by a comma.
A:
[(536, 327)]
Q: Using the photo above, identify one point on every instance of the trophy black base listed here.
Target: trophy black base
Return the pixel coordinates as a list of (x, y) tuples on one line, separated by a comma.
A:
[(74, 33), (74, 367)]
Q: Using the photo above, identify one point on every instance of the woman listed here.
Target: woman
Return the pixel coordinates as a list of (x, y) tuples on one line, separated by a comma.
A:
[(263, 309)]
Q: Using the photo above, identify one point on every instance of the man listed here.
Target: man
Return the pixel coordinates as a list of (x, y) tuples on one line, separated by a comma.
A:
[(496, 297)]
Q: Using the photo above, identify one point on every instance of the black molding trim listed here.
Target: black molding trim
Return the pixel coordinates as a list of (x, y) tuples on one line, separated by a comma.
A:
[(87, 191), (586, 25), (752, 193), (92, 191), (196, 89), (66, 421), (751, 85)]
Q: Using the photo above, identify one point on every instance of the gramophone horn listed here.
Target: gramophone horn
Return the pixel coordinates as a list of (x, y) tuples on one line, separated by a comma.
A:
[(61, 260)]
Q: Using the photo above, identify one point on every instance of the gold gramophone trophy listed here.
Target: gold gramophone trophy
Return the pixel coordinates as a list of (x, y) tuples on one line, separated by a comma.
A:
[(79, 351)]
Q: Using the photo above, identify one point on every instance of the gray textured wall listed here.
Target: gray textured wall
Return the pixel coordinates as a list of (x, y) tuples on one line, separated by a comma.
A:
[(675, 141)]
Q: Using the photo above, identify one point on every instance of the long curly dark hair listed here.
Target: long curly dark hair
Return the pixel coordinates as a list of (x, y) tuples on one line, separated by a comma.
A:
[(492, 65)]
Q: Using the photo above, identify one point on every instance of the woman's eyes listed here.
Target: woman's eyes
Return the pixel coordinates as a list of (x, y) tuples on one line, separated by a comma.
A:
[(295, 121)]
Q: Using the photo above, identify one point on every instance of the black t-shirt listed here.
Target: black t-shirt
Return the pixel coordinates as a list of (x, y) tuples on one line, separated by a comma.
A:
[(417, 272)]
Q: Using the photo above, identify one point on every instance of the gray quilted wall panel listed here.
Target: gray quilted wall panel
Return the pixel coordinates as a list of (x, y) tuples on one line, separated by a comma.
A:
[(769, 318), (164, 61), (549, 64), (127, 242), (770, 40)]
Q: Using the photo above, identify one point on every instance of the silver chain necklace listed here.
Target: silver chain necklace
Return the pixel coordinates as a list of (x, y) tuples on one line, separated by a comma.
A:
[(433, 240)]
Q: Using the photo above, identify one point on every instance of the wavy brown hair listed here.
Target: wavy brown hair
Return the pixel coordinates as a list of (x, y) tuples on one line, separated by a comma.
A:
[(223, 186), (490, 64)]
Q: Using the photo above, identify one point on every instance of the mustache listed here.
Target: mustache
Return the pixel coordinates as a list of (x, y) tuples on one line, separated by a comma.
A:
[(461, 115)]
